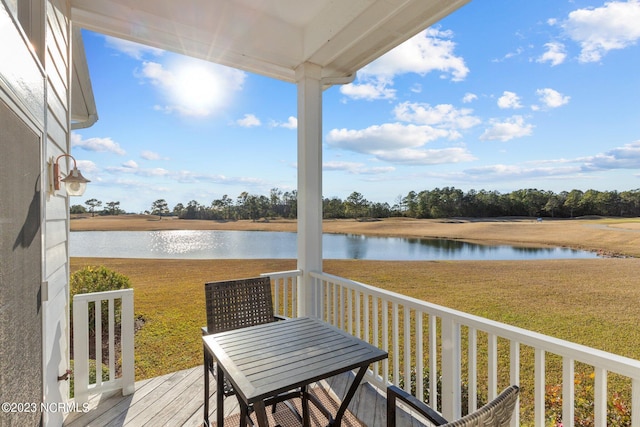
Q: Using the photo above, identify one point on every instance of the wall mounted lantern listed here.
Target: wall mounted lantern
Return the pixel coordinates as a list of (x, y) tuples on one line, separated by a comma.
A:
[(74, 182)]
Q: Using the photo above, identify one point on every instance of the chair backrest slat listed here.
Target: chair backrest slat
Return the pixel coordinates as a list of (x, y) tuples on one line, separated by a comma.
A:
[(497, 413), (234, 304)]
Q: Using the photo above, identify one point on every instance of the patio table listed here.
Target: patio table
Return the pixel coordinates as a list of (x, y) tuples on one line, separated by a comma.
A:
[(263, 362)]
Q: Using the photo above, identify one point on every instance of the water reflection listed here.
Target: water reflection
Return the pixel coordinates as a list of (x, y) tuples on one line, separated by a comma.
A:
[(210, 244)]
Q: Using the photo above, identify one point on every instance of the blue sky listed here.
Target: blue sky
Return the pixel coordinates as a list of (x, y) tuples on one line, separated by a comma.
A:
[(501, 95)]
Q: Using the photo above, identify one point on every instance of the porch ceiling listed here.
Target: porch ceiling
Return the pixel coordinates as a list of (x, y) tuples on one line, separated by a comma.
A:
[(268, 37)]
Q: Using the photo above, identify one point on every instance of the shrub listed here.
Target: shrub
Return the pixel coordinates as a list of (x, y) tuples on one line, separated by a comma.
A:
[(618, 410), (98, 279)]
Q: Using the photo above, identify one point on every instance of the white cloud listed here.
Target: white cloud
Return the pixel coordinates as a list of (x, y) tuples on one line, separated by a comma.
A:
[(134, 50), (514, 127), (409, 156), (151, 155), (385, 137), (356, 168), (102, 145), (291, 123), (430, 51), (87, 167), (555, 54), (625, 157), (552, 98), (599, 30), (369, 91), (248, 121), (192, 87), (443, 115), (130, 164), (509, 100), (469, 97), (397, 143)]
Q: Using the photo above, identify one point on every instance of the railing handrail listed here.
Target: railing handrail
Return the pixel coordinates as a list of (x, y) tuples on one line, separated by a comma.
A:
[(623, 365), (81, 343), (102, 295)]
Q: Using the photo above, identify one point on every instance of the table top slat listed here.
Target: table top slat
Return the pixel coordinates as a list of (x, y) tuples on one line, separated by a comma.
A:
[(269, 359)]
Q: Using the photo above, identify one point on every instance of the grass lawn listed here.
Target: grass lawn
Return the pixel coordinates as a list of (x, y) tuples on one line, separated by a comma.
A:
[(595, 302)]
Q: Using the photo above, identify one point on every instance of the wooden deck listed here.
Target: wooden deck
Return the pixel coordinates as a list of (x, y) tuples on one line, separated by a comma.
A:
[(176, 399)]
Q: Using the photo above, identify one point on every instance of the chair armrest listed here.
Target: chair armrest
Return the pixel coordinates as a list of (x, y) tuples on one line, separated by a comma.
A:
[(205, 331), (395, 393), (278, 317)]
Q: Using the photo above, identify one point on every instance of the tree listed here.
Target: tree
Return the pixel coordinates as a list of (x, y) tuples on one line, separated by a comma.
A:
[(160, 207), (93, 204), (113, 208), (356, 205), (191, 212), (178, 209), (77, 209), (572, 201)]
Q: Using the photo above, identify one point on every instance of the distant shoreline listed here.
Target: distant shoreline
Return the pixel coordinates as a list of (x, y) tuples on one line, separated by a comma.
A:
[(609, 236)]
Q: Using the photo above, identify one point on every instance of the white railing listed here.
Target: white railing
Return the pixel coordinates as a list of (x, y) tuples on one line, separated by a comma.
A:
[(285, 293), (83, 305), (459, 349)]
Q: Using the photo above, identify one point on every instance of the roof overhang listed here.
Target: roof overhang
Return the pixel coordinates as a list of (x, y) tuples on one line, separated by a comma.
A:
[(83, 105), (268, 37)]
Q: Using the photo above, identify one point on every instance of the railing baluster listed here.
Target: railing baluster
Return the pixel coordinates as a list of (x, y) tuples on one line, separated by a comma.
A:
[(433, 361), (514, 376), (539, 387), (419, 356), (473, 370), (600, 398), (407, 348), (492, 378), (385, 338), (635, 402), (98, 341), (568, 391), (112, 336), (358, 314), (394, 342)]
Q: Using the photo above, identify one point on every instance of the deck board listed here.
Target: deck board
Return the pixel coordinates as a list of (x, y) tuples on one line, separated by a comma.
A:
[(176, 399)]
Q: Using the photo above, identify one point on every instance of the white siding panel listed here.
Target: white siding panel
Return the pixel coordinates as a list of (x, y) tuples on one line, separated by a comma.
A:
[(57, 208), (56, 131), (57, 108), (56, 257), (56, 233), (57, 284)]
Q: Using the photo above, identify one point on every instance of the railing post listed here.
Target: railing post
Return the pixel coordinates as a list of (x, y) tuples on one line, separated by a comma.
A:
[(451, 370), (127, 329), (80, 350)]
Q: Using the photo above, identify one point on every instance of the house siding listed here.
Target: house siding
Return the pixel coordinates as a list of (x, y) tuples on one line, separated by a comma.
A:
[(56, 327)]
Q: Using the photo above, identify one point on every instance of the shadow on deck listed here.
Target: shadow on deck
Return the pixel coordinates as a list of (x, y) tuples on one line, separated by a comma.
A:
[(176, 399)]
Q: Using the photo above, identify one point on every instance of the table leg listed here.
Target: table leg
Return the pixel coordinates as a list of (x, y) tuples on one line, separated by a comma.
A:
[(219, 396), (350, 393), (306, 420), (207, 361), (261, 413)]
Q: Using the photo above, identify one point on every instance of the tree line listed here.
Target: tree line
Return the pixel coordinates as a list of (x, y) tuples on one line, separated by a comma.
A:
[(447, 202)]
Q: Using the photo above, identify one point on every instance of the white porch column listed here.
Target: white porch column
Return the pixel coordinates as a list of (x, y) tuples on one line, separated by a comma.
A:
[(308, 77)]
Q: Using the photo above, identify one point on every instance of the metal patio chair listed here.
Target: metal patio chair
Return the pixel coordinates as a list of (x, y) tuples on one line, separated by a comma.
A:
[(235, 304), (497, 413)]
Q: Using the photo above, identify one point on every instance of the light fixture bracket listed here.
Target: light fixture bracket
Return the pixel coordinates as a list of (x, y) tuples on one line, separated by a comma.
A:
[(75, 184)]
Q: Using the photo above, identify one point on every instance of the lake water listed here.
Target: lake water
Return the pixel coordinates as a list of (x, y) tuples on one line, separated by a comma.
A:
[(210, 244)]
